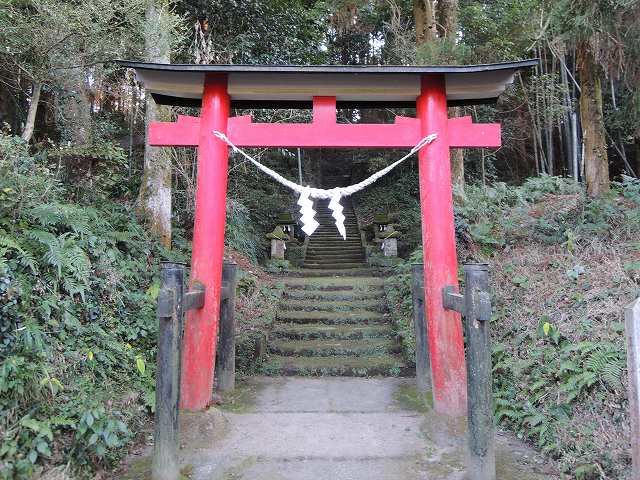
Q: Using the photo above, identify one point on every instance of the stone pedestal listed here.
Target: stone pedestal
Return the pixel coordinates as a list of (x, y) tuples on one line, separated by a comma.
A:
[(390, 247), (277, 249)]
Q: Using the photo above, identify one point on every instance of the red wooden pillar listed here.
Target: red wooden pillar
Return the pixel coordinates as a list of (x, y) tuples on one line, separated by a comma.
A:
[(446, 345), (201, 325)]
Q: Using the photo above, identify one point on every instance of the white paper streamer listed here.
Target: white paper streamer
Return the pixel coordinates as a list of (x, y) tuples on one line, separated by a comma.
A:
[(336, 208), (309, 223)]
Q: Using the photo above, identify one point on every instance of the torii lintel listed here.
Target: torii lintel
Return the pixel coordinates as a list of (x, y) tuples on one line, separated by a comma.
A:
[(324, 132)]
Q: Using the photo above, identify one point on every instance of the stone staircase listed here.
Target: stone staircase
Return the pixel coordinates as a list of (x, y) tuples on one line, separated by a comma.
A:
[(327, 249), (333, 325), (333, 319)]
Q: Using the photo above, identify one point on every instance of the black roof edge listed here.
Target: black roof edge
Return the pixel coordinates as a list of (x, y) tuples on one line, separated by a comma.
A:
[(386, 69)]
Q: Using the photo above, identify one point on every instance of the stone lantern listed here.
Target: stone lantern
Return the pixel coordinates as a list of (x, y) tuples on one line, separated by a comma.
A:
[(278, 239), (386, 235), (287, 223)]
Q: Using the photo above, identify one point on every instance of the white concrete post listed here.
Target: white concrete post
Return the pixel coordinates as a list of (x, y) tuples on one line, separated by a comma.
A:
[(632, 319)]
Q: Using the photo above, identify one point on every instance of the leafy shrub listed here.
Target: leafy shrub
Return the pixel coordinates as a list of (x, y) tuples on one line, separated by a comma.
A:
[(560, 280), (77, 309)]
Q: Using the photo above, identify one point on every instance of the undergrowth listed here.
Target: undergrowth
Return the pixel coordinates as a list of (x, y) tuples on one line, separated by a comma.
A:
[(77, 321), (563, 267), (78, 290)]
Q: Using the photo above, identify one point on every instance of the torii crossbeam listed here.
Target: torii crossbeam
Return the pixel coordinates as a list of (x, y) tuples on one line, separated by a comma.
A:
[(217, 88)]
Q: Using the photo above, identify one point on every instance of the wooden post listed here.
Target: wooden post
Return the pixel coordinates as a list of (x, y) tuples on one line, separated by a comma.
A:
[(201, 325), (170, 306), (446, 347), (482, 457), (226, 363), (423, 367), (632, 319)]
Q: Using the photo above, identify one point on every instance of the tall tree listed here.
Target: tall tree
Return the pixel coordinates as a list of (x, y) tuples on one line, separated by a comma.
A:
[(425, 21), (154, 198), (447, 15), (54, 43), (593, 28), (596, 162), (436, 37)]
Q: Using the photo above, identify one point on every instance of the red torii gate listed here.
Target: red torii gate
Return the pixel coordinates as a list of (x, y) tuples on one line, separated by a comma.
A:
[(217, 88)]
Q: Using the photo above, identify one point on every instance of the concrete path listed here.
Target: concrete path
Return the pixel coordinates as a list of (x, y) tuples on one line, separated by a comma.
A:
[(334, 428)]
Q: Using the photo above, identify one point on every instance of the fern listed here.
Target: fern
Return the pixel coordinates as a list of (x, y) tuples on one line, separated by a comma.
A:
[(608, 363), (24, 257)]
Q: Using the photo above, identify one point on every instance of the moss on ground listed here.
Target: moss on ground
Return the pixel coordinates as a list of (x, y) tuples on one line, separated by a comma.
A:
[(408, 397), (242, 399)]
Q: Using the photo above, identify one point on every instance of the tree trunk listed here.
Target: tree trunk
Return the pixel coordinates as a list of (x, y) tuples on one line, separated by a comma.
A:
[(448, 19), (154, 198), (448, 26), (424, 17), (27, 133), (596, 163), (74, 108)]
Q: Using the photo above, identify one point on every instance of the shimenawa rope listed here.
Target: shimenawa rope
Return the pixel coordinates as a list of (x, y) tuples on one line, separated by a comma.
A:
[(309, 224)]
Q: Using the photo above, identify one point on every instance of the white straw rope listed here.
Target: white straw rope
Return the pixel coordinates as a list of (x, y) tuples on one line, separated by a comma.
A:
[(309, 224), (322, 193)]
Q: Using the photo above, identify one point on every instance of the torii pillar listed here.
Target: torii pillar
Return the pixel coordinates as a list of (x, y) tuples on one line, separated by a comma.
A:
[(201, 325), (440, 265), (444, 327)]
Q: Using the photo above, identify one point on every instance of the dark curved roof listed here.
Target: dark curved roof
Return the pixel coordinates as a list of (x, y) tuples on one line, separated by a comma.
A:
[(355, 86)]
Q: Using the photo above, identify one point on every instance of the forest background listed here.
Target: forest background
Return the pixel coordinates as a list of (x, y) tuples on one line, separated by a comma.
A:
[(87, 212)]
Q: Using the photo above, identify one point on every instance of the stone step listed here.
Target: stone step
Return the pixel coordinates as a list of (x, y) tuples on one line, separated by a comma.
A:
[(325, 238), (325, 229), (333, 259), (344, 332), (308, 305), (332, 231), (334, 244), (319, 263), (319, 247), (325, 272), (335, 266), (333, 347), (336, 255), (365, 366), (358, 317), (335, 284), (329, 253), (335, 241), (340, 295)]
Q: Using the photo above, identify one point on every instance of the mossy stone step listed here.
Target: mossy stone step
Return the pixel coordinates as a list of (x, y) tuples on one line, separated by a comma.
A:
[(336, 254), (336, 266), (339, 295), (314, 273), (358, 317), (352, 239), (323, 282), (333, 347), (365, 366), (344, 332), (332, 305), (331, 248), (334, 260)]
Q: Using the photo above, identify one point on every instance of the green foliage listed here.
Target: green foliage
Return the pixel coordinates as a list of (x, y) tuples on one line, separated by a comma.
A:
[(78, 320), (547, 209), (398, 195), (546, 375), (240, 232), (399, 298)]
